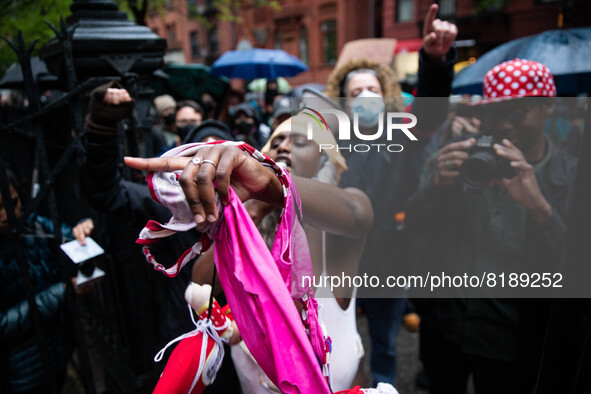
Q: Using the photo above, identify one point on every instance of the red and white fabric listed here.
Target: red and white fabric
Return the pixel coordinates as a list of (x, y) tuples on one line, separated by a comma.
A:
[(259, 284), (166, 190)]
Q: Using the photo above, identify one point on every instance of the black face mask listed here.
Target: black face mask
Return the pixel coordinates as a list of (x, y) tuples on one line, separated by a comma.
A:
[(183, 131), (168, 119), (207, 106), (245, 129), (270, 95)]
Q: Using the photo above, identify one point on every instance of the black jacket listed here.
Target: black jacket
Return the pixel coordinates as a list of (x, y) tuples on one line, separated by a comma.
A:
[(152, 307), (21, 358)]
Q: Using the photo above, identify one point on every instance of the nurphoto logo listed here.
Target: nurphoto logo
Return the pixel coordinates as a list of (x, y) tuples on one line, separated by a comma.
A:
[(395, 122)]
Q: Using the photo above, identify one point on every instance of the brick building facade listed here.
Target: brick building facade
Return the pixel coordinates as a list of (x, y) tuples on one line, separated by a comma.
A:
[(316, 30)]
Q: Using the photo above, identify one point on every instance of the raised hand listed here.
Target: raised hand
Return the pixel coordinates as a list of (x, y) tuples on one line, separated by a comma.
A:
[(115, 96), (438, 35)]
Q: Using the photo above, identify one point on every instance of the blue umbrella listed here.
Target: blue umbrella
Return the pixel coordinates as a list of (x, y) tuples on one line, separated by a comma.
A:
[(567, 53), (257, 63)]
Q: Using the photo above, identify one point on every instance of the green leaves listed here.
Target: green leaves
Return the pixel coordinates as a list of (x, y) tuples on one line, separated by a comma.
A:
[(29, 16)]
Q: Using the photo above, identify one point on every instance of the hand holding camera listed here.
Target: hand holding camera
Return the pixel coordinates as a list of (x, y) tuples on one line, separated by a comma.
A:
[(474, 161), (484, 164), (479, 161), (449, 161), (523, 187)]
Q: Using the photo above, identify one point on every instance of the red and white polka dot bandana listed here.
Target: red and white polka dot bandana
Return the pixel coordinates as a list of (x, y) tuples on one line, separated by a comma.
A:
[(518, 78)]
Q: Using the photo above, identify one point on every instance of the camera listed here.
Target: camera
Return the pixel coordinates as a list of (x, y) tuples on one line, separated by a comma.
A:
[(483, 164)]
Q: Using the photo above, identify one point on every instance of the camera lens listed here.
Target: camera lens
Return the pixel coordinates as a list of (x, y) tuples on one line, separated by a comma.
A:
[(478, 170)]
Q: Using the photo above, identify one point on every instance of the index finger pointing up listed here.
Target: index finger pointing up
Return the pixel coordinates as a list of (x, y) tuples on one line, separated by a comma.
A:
[(429, 18)]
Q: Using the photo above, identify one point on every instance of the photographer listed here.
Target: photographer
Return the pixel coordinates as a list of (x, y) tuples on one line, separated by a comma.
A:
[(510, 221)]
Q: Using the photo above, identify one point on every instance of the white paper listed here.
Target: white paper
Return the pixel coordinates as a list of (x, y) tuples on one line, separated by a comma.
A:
[(79, 253)]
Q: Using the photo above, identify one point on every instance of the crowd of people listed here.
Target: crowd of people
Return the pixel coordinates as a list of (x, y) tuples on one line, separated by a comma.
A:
[(359, 212)]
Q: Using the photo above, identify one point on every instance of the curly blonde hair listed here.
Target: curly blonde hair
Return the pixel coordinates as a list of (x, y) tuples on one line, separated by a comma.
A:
[(386, 77)]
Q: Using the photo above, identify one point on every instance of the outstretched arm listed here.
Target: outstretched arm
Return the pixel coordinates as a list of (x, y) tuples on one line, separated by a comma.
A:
[(346, 212), (226, 166)]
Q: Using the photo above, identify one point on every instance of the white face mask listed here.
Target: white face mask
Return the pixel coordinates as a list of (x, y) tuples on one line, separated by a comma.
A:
[(368, 105)]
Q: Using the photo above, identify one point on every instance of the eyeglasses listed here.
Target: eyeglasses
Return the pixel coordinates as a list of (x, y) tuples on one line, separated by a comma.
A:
[(187, 122)]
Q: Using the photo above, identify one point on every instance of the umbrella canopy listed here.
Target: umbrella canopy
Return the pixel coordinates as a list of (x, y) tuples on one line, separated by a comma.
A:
[(189, 81), (13, 78), (566, 53), (257, 63), (299, 90), (259, 85)]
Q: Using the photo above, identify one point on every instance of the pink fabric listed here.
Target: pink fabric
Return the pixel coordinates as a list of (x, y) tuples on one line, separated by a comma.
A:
[(256, 284)]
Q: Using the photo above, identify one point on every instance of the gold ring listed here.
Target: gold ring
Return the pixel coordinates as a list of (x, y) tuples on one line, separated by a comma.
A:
[(210, 162), (196, 160), (447, 164)]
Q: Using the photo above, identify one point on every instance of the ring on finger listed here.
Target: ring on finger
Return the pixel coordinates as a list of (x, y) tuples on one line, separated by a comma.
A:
[(196, 160), (448, 164), (210, 162)]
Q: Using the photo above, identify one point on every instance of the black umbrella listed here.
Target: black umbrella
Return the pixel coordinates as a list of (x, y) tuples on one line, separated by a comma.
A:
[(189, 81), (13, 78), (567, 53)]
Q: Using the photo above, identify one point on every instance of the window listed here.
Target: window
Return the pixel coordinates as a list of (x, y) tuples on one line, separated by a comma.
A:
[(194, 40), (171, 36), (447, 7), (329, 41), (212, 38), (490, 6), (192, 6), (404, 11), (277, 38), (304, 44)]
